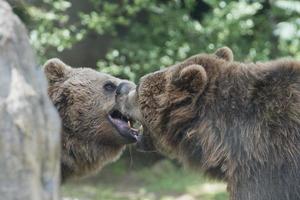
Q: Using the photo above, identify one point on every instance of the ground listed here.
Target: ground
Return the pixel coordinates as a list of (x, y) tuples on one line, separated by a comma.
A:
[(162, 181)]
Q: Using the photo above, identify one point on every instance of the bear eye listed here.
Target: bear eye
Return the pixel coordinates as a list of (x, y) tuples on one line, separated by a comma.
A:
[(110, 86)]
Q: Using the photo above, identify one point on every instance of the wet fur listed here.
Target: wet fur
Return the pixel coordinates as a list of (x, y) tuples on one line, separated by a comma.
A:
[(88, 140), (242, 127)]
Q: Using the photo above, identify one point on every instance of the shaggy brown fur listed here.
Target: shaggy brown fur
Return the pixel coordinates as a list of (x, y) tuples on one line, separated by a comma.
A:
[(239, 122), (89, 141)]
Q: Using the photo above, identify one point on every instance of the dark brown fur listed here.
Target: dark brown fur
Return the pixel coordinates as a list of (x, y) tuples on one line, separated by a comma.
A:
[(89, 141), (235, 121)]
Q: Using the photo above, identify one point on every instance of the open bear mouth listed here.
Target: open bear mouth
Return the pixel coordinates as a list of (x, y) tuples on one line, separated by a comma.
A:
[(123, 125)]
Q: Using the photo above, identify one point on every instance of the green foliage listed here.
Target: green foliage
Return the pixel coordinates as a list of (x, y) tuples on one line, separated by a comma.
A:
[(50, 27), (162, 181), (148, 35), (109, 14), (160, 39), (255, 31)]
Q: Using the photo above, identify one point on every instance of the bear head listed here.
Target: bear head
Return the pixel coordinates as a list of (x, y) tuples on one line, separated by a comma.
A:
[(166, 101), (93, 131)]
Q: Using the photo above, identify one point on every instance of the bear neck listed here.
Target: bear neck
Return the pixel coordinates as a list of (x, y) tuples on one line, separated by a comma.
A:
[(236, 113)]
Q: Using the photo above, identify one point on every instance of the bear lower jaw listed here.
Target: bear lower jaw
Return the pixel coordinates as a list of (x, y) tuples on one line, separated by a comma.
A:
[(123, 125)]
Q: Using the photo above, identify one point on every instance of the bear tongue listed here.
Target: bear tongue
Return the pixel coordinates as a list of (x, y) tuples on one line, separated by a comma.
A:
[(124, 128), (122, 125)]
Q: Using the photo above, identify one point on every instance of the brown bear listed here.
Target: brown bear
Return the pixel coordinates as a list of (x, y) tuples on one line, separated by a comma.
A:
[(93, 132), (239, 122)]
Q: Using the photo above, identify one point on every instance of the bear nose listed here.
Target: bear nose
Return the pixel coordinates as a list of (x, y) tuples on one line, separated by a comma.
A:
[(123, 88)]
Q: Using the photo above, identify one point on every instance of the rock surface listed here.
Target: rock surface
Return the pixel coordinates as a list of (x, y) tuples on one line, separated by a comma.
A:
[(29, 124)]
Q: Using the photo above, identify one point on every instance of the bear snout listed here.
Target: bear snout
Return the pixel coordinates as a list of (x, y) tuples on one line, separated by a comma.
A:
[(124, 88)]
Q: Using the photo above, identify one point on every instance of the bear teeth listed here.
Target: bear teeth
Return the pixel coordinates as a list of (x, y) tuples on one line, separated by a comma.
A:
[(141, 128), (136, 131), (129, 124)]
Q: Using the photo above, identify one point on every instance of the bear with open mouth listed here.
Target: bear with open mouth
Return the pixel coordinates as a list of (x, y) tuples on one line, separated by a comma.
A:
[(94, 133), (239, 122)]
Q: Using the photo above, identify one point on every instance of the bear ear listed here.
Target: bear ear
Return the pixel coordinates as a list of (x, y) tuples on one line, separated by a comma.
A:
[(224, 53), (55, 70), (192, 78)]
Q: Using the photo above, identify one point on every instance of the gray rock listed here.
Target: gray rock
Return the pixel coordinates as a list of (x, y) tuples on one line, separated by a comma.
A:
[(29, 124)]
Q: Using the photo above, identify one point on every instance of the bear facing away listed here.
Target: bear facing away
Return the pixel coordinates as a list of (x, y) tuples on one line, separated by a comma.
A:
[(239, 122), (93, 132)]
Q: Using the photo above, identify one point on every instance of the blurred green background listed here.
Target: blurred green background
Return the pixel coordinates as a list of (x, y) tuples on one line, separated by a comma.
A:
[(129, 38)]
